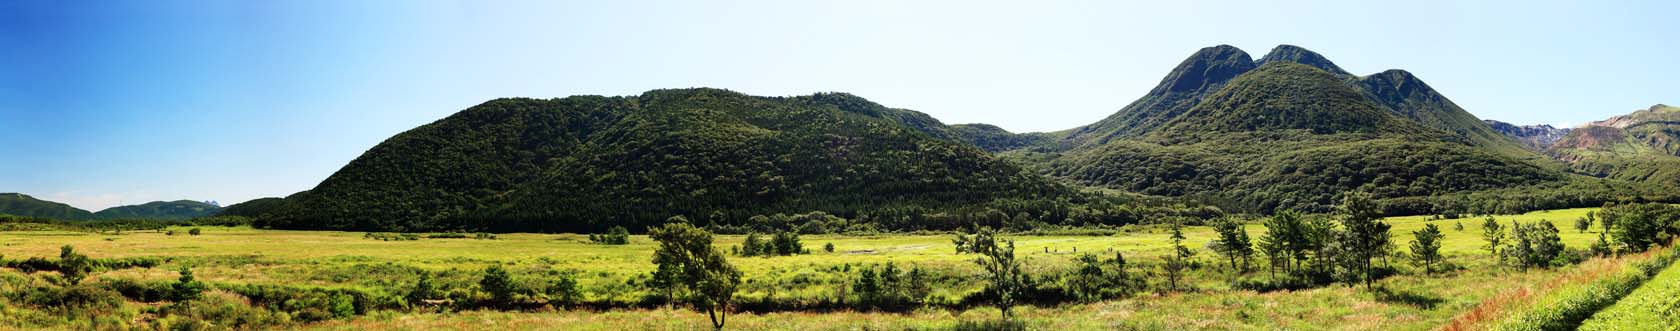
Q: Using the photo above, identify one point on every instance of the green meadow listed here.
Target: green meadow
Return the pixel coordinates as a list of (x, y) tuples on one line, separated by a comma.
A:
[(608, 275)]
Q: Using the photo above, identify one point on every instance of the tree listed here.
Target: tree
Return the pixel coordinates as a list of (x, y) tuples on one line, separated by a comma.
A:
[(1458, 226), (1367, 235), (1582, 224), (686, 253), (194, 231), (616, 235), (72, 265), (828, 247), (424, 290), (1426, 246), (1494, 236), (1641, 226), (786, 243), (499, 284), (186, 288), (998, 260), (563, 291), (1180, 259), (1536, 244), (754, 246), (1233, 243)]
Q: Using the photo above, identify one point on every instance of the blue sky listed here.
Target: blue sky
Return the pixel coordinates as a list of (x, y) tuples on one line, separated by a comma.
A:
[(116, 102)]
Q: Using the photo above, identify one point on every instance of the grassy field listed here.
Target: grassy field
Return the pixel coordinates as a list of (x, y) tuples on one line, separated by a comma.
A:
[(1653, 304), (1410, 301)]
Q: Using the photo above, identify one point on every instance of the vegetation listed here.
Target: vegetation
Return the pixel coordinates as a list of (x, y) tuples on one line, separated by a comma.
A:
[(1003, 272), (616, 235), (1426, 246), (686, 253)]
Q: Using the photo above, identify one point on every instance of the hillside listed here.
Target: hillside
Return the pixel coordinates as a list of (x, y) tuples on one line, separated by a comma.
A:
[(1289, 134), (161, 210), (19, 204), (585, 162), (253, 208), (1640, 146)]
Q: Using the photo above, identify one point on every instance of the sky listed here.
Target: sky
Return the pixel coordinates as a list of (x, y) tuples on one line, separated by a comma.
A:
[(105, 103)]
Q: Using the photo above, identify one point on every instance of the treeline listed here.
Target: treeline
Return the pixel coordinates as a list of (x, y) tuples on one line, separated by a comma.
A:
[(14, 223)]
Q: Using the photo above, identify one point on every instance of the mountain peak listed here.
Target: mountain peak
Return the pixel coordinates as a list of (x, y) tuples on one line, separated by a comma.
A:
[(1292, 53), (1208, 67)]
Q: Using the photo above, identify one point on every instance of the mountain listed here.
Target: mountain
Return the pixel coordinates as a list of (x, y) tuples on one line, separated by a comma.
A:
[(583, 163), (1538, 138), (1293, 130), (160, 210), (1640, 146), (19, 204), (253, 208)]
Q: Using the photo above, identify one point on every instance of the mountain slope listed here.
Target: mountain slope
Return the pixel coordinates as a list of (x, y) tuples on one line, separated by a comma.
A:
[(1640, 146), (163, 210), (19, 204), (1291, 135), (583, 163), (1205, 71), (253, 208)]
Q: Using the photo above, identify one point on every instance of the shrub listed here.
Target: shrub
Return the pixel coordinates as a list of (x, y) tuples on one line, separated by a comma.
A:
[(617, 235), (499, 285), (194, 231), (186, 288)]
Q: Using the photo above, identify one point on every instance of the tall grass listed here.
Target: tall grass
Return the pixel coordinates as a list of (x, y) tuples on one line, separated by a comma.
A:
[(1654, 304), (1562, 303)]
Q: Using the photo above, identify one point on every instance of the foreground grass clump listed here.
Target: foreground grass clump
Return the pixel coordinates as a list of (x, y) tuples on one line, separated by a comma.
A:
[(1655, 303), (1563, 302)]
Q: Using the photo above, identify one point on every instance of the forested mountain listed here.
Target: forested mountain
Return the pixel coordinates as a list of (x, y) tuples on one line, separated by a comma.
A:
[(1641, 146), (19, 204), (585, 162), (161, 210), (1290, 135)]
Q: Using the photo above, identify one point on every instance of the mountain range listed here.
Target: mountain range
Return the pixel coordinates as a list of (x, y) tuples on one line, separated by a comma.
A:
[(1291, 130), (18, 204)]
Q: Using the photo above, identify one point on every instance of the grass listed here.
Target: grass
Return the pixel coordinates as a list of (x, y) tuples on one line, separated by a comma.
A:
[(608, 273), (1655, 303)]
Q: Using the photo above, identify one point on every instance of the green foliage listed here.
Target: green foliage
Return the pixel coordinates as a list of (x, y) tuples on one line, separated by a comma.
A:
[(1366, 234), (1565, 309), (1494, 236), (1640, 226), (686, 257), (253, 208), (1006, 280), (1535, 245), (563, 290), (159, 210), (616, 235), (74, 266), (499, 285), (186, 288), (424, 289), (1179, 260), (828, 247), (585, 163), (1426, 246), (194, 231), (1649, 305), (891, 288), (1233, 243), (23, 205)]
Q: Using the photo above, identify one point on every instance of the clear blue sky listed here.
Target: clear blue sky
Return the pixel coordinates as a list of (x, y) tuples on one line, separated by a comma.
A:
[(117, 102)]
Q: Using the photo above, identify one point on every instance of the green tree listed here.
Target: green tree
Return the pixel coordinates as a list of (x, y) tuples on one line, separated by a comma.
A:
[(186, 288), (499, 285), (563, 290), (997, 258), (74, 266), (1582, 224), (424, 289), (754, 246), (687, 252), (1494, 236), (1366, 234), (1180, 259), (1426, 246), (786, 243), (1458, 226), (1233, 243)]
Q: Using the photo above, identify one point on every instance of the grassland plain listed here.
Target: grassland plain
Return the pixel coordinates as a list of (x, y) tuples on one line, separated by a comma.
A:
[(1410, 301)]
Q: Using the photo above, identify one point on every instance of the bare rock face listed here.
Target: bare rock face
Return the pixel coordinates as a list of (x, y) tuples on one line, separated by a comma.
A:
[(1534, 137)]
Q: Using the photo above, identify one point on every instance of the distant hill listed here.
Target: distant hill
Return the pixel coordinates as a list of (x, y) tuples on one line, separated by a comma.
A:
[(253, 208), (1640, 146), (19, 204), (159, 210), (583, 163)]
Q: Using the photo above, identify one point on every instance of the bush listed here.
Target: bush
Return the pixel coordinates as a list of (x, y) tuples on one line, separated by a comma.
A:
[(499, 285), (617, 235), (194, 231)]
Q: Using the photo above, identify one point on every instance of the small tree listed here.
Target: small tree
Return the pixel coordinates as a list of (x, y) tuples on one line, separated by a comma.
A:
[(499, 285), (1494, 236), (194, 231), (1458, 226), (186, 288), (423, 290), (786, 243), (1426, 246), (754, 246), (1582, 224), (686, 254), (828, 247), (562, 290), (998, 260), (73, 265), (616, 235), (1179, 260)]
